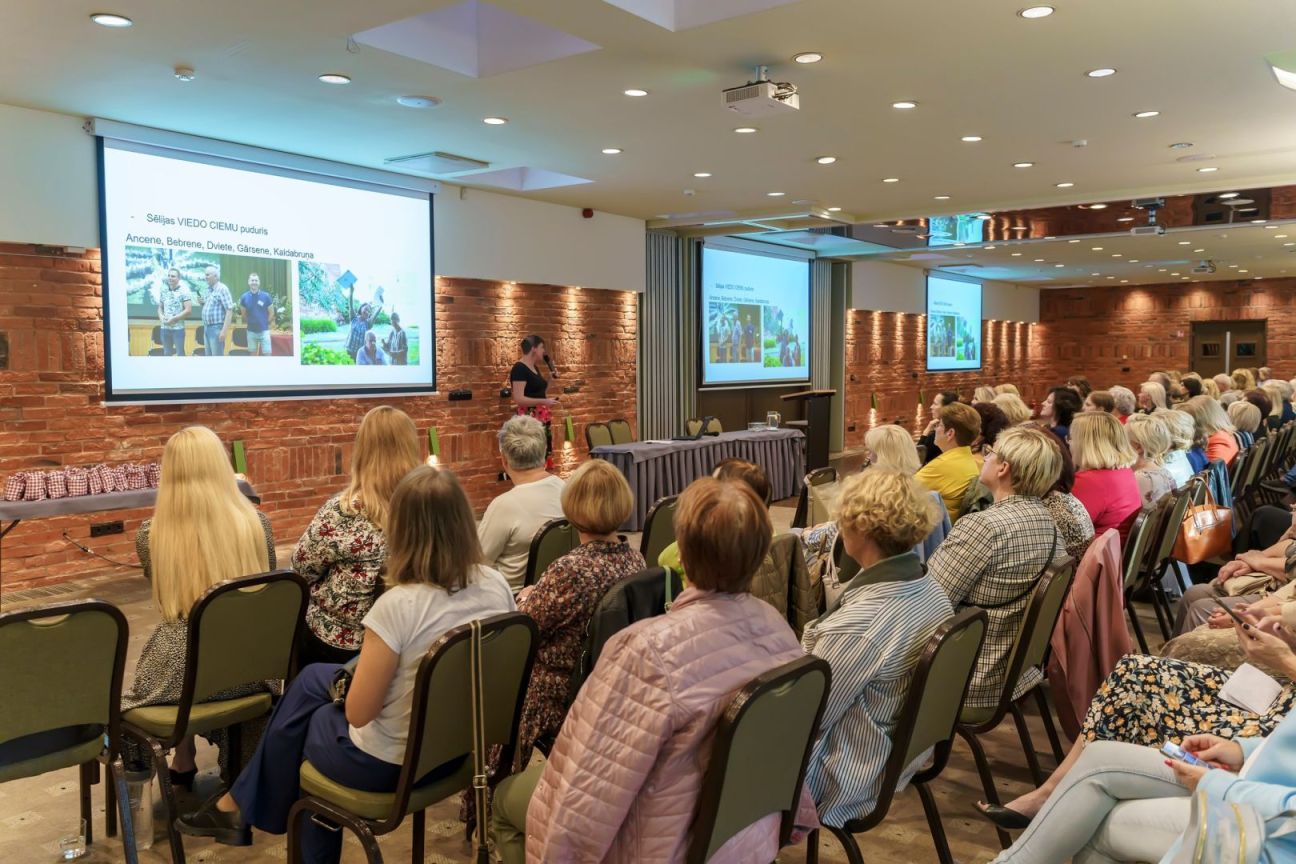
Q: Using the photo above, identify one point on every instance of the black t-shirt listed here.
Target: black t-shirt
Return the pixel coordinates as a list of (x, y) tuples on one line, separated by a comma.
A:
[(536, 385)]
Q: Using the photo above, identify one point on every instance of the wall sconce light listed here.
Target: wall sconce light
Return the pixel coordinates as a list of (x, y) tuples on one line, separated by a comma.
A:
[(240, 458), (434, 442), (569, 430), (873, 401)]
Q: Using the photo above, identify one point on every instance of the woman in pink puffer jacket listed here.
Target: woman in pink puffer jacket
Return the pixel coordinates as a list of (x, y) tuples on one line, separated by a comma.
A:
[(622, 781)]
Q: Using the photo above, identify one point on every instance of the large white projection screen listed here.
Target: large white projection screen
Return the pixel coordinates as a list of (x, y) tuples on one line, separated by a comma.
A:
[(953, 324)]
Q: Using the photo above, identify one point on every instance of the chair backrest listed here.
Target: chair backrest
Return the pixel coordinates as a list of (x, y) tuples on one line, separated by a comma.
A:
[(1136, 545), (976, 498), (643, 595), (847, 567), (555, 539), (937, 687), (822, 500), (597, 435), (692, 426), (621, 432), (659, 528), (1037, 625), (714, 425), (817, 477), (61, 665), (1238, 473), (759, 754), (239, 631), (1256, 463), (441, 724), (1168, 529)]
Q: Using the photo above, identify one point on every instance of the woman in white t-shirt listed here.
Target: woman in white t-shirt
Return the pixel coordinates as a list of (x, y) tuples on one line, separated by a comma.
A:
[(435, 582)]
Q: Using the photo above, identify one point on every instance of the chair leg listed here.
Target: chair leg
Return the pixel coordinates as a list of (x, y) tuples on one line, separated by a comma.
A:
[(314, 808), (116, 797), (420, 831), (934, 824), (1138, 628), (812, 847), (987, 779), (848, 844), (169, 813), (1049, 728), (88, 776), (110, 798), (234, 741), (1028, 743)]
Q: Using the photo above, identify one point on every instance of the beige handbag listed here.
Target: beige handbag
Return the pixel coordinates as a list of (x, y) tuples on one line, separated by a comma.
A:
[(1249, 583)]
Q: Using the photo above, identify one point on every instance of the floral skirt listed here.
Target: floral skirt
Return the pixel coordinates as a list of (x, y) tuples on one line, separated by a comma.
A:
[(1151, 700), (542, 413)]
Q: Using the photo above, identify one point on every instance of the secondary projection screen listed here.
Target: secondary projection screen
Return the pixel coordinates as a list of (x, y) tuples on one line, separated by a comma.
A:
[(755, 318), (227, 280), (953, 324)]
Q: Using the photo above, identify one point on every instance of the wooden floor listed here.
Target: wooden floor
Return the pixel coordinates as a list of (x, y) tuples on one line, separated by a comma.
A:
[(35, 812)]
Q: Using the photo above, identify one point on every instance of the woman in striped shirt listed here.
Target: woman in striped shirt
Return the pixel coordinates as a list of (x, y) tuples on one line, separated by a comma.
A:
[(871, 649)]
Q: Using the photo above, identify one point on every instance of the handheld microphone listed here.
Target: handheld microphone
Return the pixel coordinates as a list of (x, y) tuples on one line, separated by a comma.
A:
[(549, 362)]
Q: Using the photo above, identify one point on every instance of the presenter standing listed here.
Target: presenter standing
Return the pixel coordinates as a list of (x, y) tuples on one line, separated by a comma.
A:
[(529, 388), (218, 311)]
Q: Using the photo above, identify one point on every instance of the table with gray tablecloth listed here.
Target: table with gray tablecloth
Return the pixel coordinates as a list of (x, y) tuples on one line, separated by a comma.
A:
[(656, 469)]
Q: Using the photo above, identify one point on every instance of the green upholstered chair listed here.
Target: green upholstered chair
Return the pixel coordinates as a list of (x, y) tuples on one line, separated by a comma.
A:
[(692, 427), (758, 760), (440, 742), (926, 722), (61, 670), (621, 432), (658, 529), (816, 478), (555, 539), (597, 435), (714, 426), (239, 631), (1133, 559), (1029, 652), (1171, 511)]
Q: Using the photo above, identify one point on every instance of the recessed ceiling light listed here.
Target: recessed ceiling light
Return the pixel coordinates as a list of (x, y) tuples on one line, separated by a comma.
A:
[(942, 197), (335, 78), (1162, 270), (1023, 164), (1174, 274), (1227, 195), (635, 91), (1143, 115), (991, 248), (1117, 255), (905, 105), (418, 101), (1257, 221), (1280, 236), (1134, 261), (110, 19), (1104, 72), (834, 209), (1095, 249), (1198, 250), (1064, 185), (745, 130), (1059, 265), (1183, 278), (1111, 277), (1271, 227), (1125, 219), (494, 121), (1016, 254), (1185, 242), (826, 160), (1207, 170), (776, 194), (1244, 271), (702, 175), (1124, 280), (890, 179), (1097, 206), (1036, 12), (808, 57), (1039, 260), (970, 139), (1181, 145), (1290, 243), (611, 151), (1073, 241)]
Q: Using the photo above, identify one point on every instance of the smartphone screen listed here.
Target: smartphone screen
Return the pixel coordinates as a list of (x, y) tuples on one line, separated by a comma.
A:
[(1236, 617)]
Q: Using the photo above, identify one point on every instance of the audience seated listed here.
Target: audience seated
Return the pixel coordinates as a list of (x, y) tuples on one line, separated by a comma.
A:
[(1151, 397), (1276, 402), (1099, 400), (1261, 400), (1007, 388), (1192, 385), (1079, 385), (1224, 383), (993, 559), (1246, 420), (435, 581), (203, 532), (512, 519), (872, 650), (928, 438), (954, 470), (596, 500), (1214, 432), (1161, 379), (1105, 481), (983, 394), (342, 552), (1149, 438), (890, 447), (1124, 402), (1243, 379), (1013, 408), (622, 781), (1286, 391), (1182, 435), (1058, 409), (1070, 516), (993, 421)]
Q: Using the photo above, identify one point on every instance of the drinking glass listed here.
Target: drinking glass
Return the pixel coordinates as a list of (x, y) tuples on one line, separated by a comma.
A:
[(72, 845)]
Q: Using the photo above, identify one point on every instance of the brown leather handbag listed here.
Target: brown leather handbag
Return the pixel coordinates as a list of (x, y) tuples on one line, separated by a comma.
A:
[(1206, 532)]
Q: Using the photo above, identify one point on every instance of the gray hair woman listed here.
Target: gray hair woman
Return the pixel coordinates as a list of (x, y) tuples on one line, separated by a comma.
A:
[(513, 518)]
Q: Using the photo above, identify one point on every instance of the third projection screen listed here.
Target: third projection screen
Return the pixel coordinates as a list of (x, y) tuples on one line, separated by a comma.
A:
[(953, 324), (755, 318)]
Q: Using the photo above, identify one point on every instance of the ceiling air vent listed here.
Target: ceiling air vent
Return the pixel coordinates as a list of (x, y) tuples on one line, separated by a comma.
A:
[(437, 163)]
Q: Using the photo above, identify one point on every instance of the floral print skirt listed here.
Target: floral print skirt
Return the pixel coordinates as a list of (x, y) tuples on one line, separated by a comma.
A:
[(1151, 700)]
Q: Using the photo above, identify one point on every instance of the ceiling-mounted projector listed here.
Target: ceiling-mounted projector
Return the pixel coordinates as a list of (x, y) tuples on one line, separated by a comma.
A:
[(1204, 266), (762, 97)]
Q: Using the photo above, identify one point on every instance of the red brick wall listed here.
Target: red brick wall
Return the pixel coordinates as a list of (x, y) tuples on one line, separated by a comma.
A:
[(1115, 335), (51, 410)]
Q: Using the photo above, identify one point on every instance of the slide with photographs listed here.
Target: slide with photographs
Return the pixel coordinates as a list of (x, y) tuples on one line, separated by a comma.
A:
[(755, 318), (953, 324), (226, 280)]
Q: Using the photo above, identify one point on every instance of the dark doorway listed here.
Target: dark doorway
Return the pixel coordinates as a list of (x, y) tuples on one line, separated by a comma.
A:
[(1222, 346)]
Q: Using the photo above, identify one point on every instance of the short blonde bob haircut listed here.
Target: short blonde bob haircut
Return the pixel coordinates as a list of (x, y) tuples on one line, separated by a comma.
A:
[(984, 394), (892, 448), (888, 507), (1098, 441), (597, 498), (1183, 430), (431, 534), (1033, 457), (1210, 388), (1151, 436), (1245, 416), (1013, 408), (1208, 418), (386, 449), (724, 531), (1007, 388), (1155, 392)]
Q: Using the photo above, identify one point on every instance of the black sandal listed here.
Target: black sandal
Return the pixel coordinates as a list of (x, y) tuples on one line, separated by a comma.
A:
[(1004, 817), (183, 779)]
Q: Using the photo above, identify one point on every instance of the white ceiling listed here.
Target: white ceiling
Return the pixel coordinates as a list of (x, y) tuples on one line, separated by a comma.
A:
[(974, 68)]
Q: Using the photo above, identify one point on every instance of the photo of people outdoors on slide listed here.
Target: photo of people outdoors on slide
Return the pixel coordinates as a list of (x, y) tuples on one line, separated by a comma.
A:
[(734, 332), (949, 336), (354, 318), (784, 344), (190, 303)]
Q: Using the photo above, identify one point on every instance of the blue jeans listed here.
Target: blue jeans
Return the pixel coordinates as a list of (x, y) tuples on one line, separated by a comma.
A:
[(173, 341), (214, 343)]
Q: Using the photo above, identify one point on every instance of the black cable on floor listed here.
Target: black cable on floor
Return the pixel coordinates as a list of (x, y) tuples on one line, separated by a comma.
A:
[(90, 551)]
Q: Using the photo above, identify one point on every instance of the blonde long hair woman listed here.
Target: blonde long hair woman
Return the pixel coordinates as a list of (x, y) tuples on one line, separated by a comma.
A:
[(1013, 408), (1151, 397), (1149, 436), (203, 532), (1214, 431), (342, 553), (1105, 481), (890, 447)]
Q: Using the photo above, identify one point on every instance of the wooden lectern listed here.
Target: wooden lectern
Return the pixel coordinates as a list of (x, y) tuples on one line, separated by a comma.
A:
[(815, 421)]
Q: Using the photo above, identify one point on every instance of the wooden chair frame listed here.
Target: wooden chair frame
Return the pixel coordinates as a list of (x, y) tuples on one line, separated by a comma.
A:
[(817, 477)]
